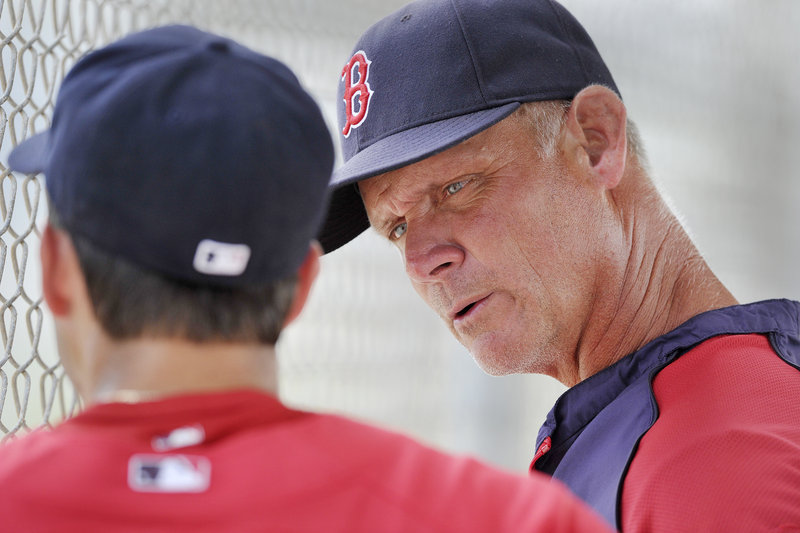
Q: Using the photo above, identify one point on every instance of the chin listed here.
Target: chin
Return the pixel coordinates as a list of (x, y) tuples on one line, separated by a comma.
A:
[(491, 355), (497, 364), (501, 358)]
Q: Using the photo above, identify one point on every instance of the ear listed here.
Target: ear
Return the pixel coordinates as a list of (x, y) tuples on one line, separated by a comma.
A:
[(59, 268), (596, 133), (305, 279)]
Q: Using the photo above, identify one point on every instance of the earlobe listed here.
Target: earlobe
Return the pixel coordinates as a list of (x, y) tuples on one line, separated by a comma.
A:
[(596, 127), (306, 275)]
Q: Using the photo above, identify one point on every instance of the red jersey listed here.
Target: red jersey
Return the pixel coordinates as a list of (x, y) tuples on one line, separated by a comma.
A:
[(724, 454), (241, 461)]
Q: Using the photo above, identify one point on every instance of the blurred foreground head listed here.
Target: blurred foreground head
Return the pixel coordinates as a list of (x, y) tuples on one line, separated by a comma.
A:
[(191, 174)]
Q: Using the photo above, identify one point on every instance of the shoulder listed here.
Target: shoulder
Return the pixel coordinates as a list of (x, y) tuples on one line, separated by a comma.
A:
[(730, 380), (28, 467), (26, 452), (726, 445), (441, 492)]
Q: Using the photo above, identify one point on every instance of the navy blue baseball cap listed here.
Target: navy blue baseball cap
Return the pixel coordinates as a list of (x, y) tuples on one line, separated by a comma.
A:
[(437, 72), (187, 154)]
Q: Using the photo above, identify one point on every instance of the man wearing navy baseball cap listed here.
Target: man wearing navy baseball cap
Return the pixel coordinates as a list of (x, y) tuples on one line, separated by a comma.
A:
[(187, 178), (488, 141)]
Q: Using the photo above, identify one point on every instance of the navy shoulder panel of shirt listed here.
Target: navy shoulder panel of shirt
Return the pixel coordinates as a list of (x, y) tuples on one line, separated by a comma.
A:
[(592, 432)]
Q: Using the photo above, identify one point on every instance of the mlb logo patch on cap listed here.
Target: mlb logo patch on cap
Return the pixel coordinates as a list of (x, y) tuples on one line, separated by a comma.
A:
[(169, 473), (221, 258)]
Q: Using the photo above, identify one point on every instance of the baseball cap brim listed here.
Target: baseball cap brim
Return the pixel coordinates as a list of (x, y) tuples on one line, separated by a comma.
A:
[(346, 217), (30, 156)]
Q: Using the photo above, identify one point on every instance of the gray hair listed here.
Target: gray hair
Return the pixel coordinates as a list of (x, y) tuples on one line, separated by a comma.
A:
[(546, 119)]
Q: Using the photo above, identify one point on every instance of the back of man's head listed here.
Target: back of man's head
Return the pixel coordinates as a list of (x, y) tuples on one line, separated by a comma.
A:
[(191, 174)]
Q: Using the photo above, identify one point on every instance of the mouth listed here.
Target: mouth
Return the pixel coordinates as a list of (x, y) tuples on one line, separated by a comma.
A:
[(464, 311)]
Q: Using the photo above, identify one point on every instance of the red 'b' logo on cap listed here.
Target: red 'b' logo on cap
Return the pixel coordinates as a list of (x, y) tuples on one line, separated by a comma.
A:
[(357, 93)]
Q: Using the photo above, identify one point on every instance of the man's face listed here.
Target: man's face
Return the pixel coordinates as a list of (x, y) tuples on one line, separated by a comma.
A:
[(501, 244)]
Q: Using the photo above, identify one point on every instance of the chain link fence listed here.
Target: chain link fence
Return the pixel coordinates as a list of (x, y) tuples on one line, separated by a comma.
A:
[(40, 41)]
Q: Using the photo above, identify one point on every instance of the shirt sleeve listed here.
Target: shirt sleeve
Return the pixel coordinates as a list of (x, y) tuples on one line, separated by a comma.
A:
[(724, 454)]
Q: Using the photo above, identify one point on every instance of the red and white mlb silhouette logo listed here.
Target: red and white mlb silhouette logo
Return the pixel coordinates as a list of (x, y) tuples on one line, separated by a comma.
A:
[(357, 92)]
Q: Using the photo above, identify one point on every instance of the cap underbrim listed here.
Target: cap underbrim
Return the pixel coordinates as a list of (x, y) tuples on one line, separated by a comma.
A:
[(30, 156), (346, 217)]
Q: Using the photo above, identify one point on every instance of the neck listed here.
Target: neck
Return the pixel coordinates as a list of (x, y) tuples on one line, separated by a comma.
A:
[(148, 369), (663, 281)]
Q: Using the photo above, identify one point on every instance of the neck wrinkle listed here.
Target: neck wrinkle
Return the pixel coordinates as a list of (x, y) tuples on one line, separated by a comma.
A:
[(665, 282)]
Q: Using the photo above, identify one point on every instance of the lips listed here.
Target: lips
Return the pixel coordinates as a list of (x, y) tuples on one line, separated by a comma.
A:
[(463, 310)]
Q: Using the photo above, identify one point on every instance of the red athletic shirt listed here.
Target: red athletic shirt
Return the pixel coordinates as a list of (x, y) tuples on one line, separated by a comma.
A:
[(724, 453), (242, 462)]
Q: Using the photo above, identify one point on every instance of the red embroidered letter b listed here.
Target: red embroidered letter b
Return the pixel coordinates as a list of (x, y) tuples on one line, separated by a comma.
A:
[(357, 91)]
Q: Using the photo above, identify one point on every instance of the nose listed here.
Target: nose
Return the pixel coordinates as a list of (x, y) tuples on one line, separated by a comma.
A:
[(428, 255)]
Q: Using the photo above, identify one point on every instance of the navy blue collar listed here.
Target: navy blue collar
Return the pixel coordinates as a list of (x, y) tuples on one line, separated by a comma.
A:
[(581, 403)]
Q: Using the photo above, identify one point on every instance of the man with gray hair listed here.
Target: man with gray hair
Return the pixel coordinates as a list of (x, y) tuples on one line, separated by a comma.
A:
[(488, 141)]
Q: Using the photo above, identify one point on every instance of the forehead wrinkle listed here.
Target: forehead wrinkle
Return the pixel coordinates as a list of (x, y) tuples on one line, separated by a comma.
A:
[(395, 189), (385, 206), (376, 221)]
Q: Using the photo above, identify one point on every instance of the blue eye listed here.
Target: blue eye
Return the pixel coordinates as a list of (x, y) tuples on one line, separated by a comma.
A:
[(398, 231), (455, 187)]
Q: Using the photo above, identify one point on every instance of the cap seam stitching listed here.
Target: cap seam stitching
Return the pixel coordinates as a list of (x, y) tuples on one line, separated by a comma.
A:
[(571, 41), (475, 67)]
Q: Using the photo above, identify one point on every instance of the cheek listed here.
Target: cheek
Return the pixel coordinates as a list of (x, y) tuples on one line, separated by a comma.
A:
[(542, 257), (516, 233), (491, 229)]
